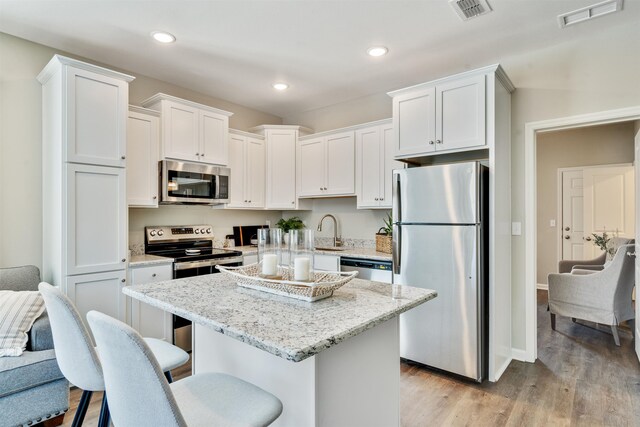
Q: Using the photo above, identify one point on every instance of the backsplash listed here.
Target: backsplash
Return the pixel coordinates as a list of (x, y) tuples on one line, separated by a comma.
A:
[(346, 242)]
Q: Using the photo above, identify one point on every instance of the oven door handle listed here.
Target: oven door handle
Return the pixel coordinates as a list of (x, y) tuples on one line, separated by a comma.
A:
[(206, 263)]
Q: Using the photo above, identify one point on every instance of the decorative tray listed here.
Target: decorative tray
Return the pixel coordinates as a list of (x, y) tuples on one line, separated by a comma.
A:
[(323, 285)]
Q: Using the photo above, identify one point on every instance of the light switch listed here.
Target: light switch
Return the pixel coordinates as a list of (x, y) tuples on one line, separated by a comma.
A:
[(552, 223), (516, 228)]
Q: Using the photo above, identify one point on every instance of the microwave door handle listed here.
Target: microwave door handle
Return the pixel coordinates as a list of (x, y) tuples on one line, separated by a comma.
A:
[(217, 186)]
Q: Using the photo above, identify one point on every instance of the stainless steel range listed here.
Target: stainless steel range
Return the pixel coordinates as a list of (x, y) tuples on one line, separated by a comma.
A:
[(191, 248)]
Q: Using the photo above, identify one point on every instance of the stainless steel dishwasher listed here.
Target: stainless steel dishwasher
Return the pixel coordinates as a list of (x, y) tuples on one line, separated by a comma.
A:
[(378, 271)]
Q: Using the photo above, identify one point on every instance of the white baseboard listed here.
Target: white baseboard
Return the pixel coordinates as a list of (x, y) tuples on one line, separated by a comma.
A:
[(542, 286), (520, 355)]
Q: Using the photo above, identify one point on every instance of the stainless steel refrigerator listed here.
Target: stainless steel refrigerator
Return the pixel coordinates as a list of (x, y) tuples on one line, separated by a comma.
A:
[(440, 242)]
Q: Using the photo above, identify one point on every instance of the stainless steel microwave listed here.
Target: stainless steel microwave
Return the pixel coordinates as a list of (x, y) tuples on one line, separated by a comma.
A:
[(193, 183)]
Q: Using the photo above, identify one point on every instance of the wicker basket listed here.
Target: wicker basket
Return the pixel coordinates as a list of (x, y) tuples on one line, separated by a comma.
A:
[(383, 243), (325, 282)]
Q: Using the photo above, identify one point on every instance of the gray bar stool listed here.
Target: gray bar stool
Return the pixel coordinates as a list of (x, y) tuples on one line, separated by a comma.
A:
[(78, 359), (140, 396)]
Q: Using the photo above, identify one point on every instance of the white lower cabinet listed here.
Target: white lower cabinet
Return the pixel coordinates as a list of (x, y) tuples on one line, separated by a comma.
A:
[(99, 291), (326, 263), (150, 321)]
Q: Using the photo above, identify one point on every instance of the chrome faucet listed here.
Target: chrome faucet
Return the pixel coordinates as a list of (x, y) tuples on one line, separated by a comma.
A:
[(337, 241)]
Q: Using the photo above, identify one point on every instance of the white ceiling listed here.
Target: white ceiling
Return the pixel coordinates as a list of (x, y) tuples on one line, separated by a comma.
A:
[(236, 49)]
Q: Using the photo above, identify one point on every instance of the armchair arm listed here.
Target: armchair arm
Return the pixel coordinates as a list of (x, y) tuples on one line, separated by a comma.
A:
[(582, 271), (565, 266), (594, 289), (40, 337)]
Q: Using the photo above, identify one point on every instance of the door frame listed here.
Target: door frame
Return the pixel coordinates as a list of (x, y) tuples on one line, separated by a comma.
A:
[(531, 129), (559, 202)]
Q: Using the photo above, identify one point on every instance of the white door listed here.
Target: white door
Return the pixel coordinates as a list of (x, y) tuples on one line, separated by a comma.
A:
[(387, 142), (99, 291), (255, 172), (460, 114), (238, 174), (572, 223), (180, 138), (97, 109), (637, 237), (609, 204), (311, 167), (214, 129), (147, 320), (96, 219), (368, 164), (414, 121), (281, 169), (341, 161), (143, 131)]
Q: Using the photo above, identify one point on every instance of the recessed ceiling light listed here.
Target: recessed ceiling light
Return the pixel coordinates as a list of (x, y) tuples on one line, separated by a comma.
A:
[(280, 86), (377, 51), (163, 37)]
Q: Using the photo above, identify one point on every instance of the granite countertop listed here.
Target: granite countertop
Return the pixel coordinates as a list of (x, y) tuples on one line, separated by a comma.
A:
[(286, 327), (366, 253), (144, 260)]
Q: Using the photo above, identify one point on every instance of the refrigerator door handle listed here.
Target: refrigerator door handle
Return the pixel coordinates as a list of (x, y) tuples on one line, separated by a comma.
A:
[(396, 244), (396, 212)]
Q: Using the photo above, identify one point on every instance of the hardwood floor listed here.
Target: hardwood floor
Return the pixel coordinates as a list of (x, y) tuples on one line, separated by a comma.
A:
[(580, 379)]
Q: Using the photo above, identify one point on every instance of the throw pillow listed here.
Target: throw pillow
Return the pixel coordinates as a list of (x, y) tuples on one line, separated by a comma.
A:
[(18, 311)]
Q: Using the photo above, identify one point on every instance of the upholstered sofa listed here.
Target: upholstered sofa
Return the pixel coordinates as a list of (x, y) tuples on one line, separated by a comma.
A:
[(32, 388)]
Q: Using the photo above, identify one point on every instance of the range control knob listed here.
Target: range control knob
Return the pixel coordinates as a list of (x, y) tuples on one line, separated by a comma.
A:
[(152, 233), (208, 230), (160, 233), (197, 231)]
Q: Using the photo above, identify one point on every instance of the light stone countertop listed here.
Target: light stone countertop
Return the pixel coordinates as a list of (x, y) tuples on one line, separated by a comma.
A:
[(286, 327), (145, 260), (365, 253)]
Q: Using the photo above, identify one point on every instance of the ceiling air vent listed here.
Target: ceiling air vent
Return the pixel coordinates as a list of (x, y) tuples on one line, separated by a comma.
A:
[(467, 9), (589, 12)]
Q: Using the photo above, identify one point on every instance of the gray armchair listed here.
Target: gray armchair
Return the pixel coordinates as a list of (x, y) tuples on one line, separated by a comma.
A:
[(595, 264), (32, 388), (601, 297)]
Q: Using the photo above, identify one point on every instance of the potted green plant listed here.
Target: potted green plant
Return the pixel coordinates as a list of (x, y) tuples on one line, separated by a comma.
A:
[(293, 223), (384, 235)]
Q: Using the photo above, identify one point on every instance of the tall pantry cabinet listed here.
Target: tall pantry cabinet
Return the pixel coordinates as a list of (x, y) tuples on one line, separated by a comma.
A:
[(84, 113)]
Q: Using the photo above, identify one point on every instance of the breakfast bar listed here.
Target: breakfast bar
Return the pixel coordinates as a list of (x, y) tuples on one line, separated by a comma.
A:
[(333, 362)]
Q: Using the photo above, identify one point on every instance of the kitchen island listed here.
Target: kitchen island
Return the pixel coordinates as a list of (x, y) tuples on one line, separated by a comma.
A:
[(334, 362)]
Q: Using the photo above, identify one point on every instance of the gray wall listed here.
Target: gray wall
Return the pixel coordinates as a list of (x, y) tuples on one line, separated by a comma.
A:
[(21, 151), (590, 146)]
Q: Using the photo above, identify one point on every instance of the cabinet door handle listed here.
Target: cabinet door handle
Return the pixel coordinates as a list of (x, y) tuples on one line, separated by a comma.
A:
[(153, 275), (197, 154), (438, 141), (430, 142), (202, 155), (381, 199), (567, 237), (376, 199), (293, 203), (124, 260), (123, 157), (155, 197), (124, 280)]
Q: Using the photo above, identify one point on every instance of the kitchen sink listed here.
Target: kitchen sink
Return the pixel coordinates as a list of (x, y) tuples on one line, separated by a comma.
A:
[(330, 248)]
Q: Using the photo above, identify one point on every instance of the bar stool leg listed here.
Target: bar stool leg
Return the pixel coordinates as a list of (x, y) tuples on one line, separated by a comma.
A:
[(103, 421), (168, 376), (83, 405)]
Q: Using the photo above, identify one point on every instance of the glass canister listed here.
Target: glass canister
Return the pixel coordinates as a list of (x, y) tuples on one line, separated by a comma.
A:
[(269, 251), (301, 248)]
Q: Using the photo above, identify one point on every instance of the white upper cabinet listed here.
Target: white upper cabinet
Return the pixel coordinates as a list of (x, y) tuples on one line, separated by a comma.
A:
[(190, 131), (96, 219), (247, 163), (143, 138), (374, 166), (326, 165), (445, 115), (92, 111)]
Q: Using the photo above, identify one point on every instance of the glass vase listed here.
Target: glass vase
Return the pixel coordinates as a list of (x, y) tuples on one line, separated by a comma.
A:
[(269, 251), (301, 249)]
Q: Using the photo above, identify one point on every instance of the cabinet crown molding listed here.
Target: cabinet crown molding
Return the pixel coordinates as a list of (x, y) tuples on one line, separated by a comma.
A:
[(495, 69), (142, 110), (347, 129), (164, 97), (244, 133), (263, 128), (58, 61)]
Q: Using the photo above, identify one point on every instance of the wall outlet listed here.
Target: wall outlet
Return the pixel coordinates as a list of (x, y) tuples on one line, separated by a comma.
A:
[(552, 223), (516, 228)]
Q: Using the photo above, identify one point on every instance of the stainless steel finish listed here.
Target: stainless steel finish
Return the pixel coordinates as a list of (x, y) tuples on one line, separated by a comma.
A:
[(438, 243), (206, 263), (444, 194), (367, 269), (567, 237), (164, 233), (337, 241), (166, 165)]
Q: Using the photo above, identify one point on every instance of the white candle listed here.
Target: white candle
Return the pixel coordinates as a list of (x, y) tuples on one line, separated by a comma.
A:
[(269, 264), (301, 268)]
